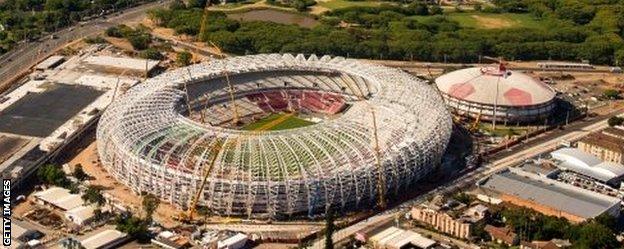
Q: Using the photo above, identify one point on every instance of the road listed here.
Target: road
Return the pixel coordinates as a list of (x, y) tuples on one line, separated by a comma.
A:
[(534, 147), (17, 62)]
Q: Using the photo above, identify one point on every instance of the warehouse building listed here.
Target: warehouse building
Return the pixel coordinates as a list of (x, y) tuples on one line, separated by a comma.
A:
[(588, 165), (548, 196)]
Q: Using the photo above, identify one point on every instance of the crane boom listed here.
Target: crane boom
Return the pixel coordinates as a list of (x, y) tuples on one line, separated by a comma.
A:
[(231, 88), (381, 181), (215, 154)]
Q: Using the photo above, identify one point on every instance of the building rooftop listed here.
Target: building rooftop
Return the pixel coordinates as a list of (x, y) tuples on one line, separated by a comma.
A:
[(83, 213), (586, 164), (394, 237), (547, 192), (122, 62), (479, 85), (614, 132), (103, 238), (504, 234), (60, 198), (605, 140), (50, 62)]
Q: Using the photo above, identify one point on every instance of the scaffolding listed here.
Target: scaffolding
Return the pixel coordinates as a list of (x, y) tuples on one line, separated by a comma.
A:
[(147, 140)]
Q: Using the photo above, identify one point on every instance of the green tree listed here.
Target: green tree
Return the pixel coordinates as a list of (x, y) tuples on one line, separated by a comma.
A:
[(619, 57), (184, 58), (52, 175), (615, 121), (93, 194), (420, 9), (152, 54), (133, 226), (594, 235), (611, 94), (329, 229), (463, 198), (436, 10), (478, 7), (114, 31), (150, 204), (79, 173), (140, 41)]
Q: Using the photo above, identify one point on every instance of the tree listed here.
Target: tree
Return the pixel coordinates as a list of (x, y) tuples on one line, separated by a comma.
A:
[(114, 31), (140, 41), (150, 204), (152, 54), (463, 198), (420, 9), (611, 94), (436, 10), (329, 229), (619, 57), (52, 175), (93, 194), (478, 7), (79, 173), (133, 226), (615, 121), (183, 58), (594, 235)]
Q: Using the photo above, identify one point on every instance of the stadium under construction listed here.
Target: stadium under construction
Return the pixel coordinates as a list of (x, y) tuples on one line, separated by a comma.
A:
[(368, 131)]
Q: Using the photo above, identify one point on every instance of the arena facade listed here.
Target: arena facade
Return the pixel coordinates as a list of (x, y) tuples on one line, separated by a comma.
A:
[(150, 141), (496, 93)]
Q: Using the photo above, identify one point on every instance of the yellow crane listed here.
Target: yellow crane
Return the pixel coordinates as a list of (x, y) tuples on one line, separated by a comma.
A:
[(214, 153), (235, 118), (381, 180), (202, 25)]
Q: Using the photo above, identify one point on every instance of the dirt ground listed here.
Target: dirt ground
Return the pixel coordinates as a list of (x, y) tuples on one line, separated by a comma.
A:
[(492, 23), (88, 158), (120, 43)]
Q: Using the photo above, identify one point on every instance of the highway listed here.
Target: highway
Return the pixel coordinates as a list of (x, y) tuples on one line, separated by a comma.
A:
[(16, 63), (540, 145)]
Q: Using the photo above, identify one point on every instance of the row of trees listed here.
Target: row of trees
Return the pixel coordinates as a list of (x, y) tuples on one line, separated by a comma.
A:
[(391, 32), (28, 19), (530, 225)]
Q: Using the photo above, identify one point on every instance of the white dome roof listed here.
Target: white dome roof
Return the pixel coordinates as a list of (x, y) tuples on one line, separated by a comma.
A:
[(479, 85)]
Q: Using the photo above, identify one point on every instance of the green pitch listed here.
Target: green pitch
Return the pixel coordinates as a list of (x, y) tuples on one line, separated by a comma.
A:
[(277, 121)]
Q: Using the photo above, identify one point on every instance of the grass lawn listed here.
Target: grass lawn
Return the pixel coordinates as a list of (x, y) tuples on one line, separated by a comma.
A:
[(288, 123), (338, 4), (479, 20)]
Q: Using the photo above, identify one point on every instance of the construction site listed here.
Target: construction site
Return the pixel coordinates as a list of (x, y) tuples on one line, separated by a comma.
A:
[(365, 136)]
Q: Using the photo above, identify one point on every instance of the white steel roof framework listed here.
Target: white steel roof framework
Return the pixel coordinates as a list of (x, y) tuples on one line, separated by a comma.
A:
[(146, 142)]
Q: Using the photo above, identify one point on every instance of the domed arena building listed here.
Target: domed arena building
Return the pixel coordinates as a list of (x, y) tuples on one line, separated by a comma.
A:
[(276, 136), (496, 93)]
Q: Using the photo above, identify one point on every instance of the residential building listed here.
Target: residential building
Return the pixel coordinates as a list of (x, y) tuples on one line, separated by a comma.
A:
[(454, 222), (502, 235)]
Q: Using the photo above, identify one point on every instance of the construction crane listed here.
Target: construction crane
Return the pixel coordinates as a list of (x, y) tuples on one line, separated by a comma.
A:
[(381, 180), (235, 118), (214, 152), (475, 125), (202, 25)]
